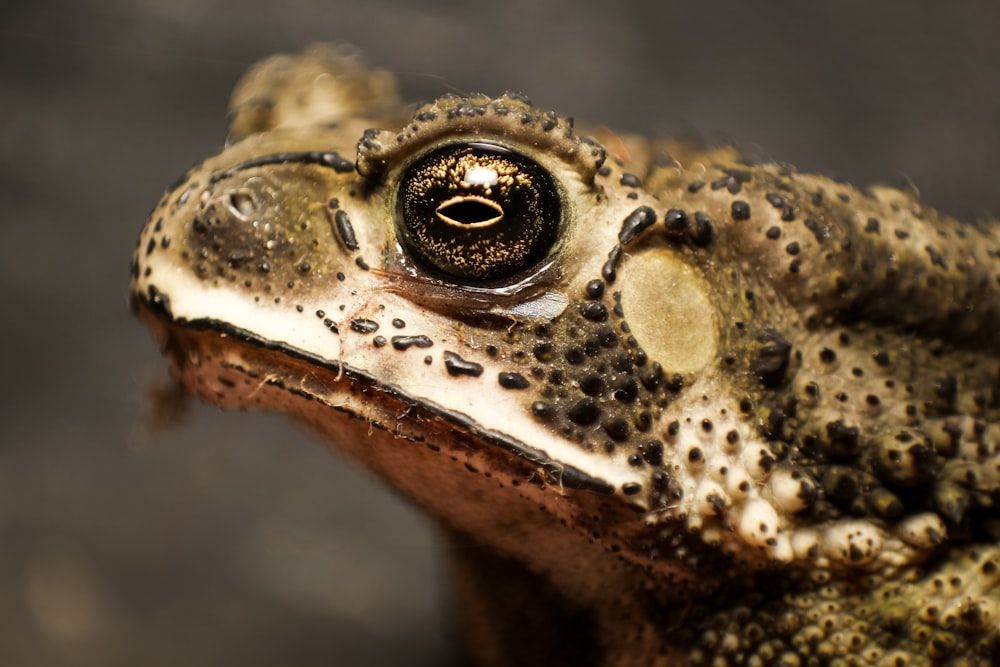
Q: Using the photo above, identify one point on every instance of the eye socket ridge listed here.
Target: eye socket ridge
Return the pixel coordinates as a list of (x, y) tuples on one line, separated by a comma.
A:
[(478, 212)]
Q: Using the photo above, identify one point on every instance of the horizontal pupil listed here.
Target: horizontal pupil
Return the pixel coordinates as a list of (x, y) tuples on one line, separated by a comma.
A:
[(470, 212)]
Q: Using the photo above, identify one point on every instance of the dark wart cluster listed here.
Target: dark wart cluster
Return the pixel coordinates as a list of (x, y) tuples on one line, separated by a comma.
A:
[(593, 383), (595, 374)]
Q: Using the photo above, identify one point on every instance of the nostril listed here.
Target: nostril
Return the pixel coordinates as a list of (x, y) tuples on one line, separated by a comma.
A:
[(242, 203)]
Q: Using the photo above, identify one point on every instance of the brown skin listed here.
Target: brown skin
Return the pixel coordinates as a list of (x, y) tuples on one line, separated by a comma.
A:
[(728, 413)]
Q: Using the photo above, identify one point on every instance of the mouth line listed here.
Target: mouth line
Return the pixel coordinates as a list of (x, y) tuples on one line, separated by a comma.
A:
[(568, 476)]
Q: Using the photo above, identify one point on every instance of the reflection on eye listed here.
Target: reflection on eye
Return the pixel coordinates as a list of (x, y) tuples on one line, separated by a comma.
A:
[(481, 176)]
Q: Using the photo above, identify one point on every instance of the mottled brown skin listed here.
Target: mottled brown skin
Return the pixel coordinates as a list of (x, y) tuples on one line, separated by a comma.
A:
[(732, 414)]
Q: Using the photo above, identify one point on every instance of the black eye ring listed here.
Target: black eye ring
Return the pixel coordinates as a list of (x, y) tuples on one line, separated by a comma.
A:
[(478, 212)]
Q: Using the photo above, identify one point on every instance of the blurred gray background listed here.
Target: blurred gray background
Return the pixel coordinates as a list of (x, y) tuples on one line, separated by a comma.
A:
[(234, 539)]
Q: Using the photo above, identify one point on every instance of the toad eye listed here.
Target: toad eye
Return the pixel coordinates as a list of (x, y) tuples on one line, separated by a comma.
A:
[(478, 212)]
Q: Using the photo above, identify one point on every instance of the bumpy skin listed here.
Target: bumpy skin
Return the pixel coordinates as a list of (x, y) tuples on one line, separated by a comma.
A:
[(733, 415)]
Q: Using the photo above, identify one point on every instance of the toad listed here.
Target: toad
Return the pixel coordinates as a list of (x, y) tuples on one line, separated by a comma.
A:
[(688, 408)]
